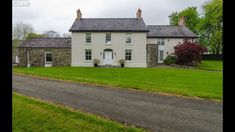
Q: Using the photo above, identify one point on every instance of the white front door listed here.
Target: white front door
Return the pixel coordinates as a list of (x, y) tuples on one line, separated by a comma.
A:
[(108, 58)]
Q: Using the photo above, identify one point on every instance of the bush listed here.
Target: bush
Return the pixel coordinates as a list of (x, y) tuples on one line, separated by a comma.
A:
[(96, 61), (189, 53), (170, 60)]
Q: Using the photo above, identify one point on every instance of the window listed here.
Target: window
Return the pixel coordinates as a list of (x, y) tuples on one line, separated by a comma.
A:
[(128, 55), (88, 54), (48, 56), (161, 55), (88, 37), (108, 37), (128, 38), (160, 41)]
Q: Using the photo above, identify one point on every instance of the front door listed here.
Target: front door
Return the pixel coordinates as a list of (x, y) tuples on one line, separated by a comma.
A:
[(108, 59)]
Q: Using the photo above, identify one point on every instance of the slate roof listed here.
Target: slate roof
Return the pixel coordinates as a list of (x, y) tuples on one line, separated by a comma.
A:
[(109, 24), (47, 42), (167, 31)]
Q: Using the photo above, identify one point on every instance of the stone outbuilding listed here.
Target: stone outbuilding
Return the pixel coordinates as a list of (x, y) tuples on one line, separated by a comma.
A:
[(45, 52)]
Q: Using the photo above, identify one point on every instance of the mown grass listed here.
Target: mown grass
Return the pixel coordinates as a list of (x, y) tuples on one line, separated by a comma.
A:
[(187, 82), (211, 65), (33, 115)]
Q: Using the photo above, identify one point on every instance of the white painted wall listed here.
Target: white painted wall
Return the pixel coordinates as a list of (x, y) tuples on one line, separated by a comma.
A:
[(118, 44), (169, 44)]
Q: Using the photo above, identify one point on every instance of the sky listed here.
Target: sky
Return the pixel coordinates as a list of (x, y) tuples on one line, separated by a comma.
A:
[(59, 15)]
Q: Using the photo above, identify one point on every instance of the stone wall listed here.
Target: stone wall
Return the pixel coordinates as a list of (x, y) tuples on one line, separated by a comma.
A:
[(60, 56), (152, 55)]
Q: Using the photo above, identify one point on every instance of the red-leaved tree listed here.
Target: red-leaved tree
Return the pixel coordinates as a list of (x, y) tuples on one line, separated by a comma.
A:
[(189, 53)]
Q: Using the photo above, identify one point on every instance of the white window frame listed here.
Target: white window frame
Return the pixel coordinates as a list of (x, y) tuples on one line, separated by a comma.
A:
[(128, 55), (161, 56), (87, 56), (108, 42), (128, 35), (87, 36)]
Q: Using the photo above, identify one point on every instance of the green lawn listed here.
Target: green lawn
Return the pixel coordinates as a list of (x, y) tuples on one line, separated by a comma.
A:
[(211, 65), (187, 82), (39, 116)]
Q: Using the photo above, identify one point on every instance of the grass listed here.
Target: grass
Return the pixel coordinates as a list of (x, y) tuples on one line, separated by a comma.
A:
[(34, 115), (186, 82), (211, 65)]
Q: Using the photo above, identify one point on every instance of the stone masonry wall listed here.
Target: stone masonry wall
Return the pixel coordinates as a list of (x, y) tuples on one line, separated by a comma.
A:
[(152, 55), (60, 56)]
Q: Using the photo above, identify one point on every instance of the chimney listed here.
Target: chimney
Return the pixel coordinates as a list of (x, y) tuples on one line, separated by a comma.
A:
[(79, 14), (181, 21), (138, 14)]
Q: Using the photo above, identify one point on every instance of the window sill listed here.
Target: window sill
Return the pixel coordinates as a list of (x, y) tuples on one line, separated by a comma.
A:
[(88, 61), (129, 44), (88, 44), (129, 61)]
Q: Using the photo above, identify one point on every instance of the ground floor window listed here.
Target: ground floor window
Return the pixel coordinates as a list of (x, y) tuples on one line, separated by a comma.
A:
[(48, 56), (161, 55), (87, 54), (128, 55)]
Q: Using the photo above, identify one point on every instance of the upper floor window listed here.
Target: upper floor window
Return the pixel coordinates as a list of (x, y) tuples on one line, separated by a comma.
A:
[(128, 55), (108, 38), (160, 41), (128, 38), (88, 37), (88, 54)]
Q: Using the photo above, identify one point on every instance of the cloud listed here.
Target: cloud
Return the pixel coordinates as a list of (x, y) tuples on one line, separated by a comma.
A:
[(59, 15)]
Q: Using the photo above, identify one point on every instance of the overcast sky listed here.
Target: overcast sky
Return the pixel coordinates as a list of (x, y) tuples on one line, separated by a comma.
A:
[(59, 15)]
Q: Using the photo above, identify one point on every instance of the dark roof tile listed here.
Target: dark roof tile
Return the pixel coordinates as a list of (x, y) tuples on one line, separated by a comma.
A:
[(109, 24), (169, 31), (47, 42)]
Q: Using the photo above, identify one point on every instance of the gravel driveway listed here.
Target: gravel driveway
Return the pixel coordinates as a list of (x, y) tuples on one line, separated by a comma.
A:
[(152, 111)]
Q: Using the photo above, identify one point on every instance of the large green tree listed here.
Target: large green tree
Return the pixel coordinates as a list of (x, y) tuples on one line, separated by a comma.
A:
[(190, 15), (211, 26)]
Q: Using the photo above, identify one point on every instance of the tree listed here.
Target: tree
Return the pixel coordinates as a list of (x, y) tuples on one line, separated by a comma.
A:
[(190, 15), (34, 35), (51, 33), (211, 26), (21, 30), (189, 53)]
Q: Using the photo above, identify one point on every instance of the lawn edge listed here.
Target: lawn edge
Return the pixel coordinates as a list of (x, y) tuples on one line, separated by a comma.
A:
[(82, 111), (121, 88)]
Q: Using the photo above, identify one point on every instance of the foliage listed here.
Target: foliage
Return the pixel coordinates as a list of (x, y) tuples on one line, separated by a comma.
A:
[(189, 53), (30, 114), (211, 26), (34, 35), (208, 26), (96, 61), (21, 30), (191, 17), (121, 61), (170, 60), (159, 79), (51, 33), (67, 35)]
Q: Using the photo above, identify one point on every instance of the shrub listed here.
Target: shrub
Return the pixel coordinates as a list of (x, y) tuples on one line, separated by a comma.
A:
[(121, 61), (189, 53), (170, 60), (96, 61)]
